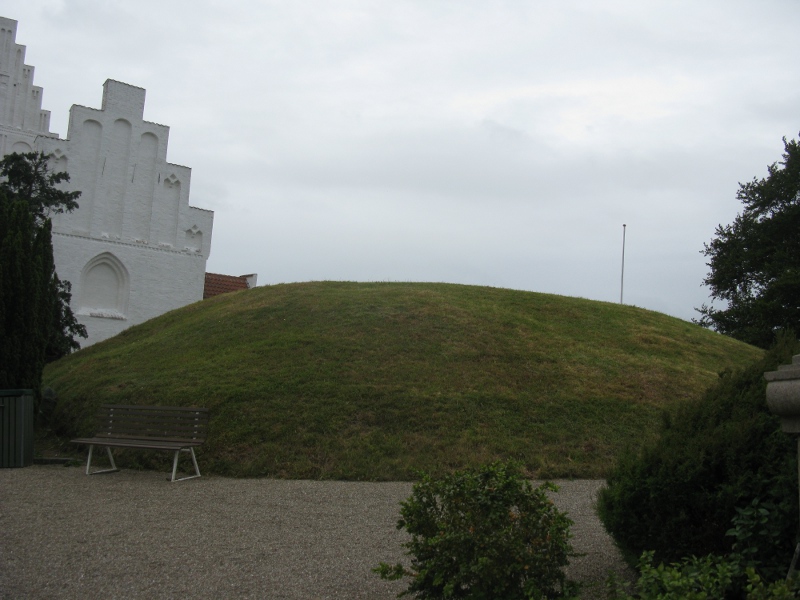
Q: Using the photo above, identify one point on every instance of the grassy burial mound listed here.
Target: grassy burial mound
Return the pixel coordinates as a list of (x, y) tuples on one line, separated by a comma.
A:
[(376, 380)]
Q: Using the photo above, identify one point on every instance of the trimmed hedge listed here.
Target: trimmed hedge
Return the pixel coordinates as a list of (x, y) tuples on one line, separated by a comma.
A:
[(679, 496)]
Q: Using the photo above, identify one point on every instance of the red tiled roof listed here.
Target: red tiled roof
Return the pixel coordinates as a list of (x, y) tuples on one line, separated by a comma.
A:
[(217, 284)]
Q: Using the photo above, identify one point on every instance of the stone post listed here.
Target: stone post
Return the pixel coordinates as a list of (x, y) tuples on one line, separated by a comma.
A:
[(783, 395), (783, 399)]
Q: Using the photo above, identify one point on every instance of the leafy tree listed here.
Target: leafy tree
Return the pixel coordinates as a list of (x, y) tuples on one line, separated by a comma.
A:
[(27, 184), (64, 326), (28, 177), (755, 261)]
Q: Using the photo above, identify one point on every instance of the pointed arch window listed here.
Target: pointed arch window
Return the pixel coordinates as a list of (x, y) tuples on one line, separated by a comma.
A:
[(105, 287)]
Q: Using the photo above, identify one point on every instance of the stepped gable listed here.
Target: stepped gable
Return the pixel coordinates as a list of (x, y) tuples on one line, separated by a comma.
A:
[(21, 116), (135, 248)]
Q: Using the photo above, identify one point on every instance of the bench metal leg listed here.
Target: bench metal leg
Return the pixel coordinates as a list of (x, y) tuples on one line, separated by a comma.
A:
[(113, 468), (175, 465)]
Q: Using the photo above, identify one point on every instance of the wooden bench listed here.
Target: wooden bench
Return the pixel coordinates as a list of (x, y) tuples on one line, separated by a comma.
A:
[(172, 428)]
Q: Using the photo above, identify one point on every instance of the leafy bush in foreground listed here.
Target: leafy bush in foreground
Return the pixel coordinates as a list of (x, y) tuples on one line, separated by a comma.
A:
[(706, 578), (714, 455), (731, 577), (484, 534)]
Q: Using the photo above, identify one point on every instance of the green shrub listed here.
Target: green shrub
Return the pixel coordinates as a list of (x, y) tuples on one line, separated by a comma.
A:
[(690, 579), (708, 578), (732, 577), (754, 531), (679, 496), (484, 534)]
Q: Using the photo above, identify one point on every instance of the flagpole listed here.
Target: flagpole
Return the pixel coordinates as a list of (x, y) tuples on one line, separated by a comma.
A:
[(622, 277)]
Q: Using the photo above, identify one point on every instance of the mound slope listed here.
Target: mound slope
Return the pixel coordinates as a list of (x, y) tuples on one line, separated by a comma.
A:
[(375, 380)]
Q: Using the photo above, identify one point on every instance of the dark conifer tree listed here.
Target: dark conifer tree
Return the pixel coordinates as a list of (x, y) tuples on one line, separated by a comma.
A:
[(22, 246), (36, 322), (27, 178)]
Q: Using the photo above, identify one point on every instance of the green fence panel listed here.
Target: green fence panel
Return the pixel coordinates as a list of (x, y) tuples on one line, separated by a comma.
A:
[(16, 428)]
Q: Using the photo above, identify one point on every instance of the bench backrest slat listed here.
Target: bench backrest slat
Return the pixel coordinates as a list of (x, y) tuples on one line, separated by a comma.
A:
[(166, 423)]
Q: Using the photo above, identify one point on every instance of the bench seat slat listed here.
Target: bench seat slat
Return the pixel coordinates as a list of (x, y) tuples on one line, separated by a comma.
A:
[(144, 433), (132, 410), (187, 423), (153, 439), (137, 443), (153, 416), (178, 421)]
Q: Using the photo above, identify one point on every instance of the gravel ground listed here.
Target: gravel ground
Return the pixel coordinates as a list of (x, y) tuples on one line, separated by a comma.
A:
[(134, 535)]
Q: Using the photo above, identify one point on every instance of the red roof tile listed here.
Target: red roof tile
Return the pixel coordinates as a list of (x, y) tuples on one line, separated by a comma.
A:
[(217, 284)]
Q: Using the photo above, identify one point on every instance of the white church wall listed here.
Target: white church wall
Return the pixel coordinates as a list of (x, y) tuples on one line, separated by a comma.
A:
[(135, 248), (117, 284)]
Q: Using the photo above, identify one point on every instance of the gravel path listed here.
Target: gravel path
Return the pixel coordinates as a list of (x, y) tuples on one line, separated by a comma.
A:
[(134, 535)]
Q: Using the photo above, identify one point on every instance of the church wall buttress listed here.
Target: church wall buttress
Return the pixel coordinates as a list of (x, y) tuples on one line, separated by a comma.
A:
[(88, 161), (143, 182), (114, 177)]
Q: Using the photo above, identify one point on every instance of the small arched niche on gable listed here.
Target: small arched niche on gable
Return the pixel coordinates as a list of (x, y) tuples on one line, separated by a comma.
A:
[(58, 161), (194, 240), (105, 287)]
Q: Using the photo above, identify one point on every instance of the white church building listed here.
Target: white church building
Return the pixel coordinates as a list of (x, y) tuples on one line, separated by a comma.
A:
[(134, 249)]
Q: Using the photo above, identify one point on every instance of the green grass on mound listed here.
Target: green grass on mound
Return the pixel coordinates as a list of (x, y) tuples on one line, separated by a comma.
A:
[(376, 380)]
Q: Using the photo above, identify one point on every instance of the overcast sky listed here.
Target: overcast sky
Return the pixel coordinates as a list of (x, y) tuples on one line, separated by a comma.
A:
[(499, 143)]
